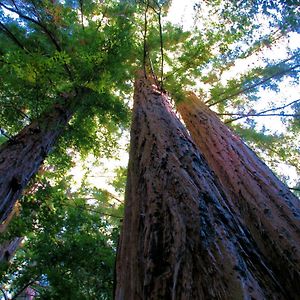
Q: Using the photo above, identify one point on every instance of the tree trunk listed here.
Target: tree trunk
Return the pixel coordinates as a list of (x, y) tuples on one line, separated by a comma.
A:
[(179, 239), (264, 204), (8, 249), (21, 157)]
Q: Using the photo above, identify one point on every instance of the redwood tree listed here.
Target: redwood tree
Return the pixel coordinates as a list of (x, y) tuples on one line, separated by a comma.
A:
[(180, 238), (21, 156), (258, 198), (49, 75)]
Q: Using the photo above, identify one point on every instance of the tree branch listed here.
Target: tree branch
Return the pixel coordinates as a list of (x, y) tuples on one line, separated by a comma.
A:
[(20, 112), (294, 189), (161, 48), (261, 113), (264, 80), (145, 39), (258, 115), (81, 12), (2, 132), (44, 28), (4, 294), (12, 37), (24, 288)]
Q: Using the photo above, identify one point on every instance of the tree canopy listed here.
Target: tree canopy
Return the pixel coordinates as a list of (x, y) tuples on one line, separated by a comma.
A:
[(51, 49)]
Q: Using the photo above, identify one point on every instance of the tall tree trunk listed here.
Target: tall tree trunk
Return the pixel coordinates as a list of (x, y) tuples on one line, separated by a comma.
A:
[(21, 157), (264, 204), (179, 239)]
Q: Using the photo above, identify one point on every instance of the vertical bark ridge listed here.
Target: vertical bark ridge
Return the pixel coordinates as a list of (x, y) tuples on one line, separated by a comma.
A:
[(263, 203), (21, 157), (179, 237)]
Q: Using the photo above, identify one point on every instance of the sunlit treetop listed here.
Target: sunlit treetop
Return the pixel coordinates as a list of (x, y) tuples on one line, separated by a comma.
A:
[(49, 49)]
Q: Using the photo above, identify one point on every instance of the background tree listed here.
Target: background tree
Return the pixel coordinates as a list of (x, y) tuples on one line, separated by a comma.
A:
[(70, 245), (50, 56)]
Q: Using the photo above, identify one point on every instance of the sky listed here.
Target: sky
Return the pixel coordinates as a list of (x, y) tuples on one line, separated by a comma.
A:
[(181, 13)]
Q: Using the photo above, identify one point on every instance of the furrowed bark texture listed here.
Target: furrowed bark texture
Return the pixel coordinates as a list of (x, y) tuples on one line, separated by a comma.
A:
[(264, 204), (21, 157), (179, 238)]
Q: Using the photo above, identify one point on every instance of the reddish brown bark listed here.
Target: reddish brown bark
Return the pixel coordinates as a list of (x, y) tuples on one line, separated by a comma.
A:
[(21, 157), (179, 239), (264, 204)]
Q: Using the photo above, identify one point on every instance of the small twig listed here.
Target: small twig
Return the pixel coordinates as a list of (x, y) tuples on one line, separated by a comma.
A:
[(2, 132), (161, 48), (18, 110), (81, 12), (100, 21), (4, 294), (12, 37), (294, 189), (24, 288), (145, 39), (264, 80), (257, 115), (261, 112)]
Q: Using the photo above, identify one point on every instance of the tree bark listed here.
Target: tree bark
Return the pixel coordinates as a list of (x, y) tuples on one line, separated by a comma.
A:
[(264, 204), (180, 239), (8, 249), (21, 157)]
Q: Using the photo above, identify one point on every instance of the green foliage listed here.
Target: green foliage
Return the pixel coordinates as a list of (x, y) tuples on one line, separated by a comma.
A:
[(272, 148), (48, 51), (70, 243), (119, 183)]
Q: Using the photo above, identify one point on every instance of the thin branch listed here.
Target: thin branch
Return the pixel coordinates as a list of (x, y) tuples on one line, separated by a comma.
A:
[(145, 39), (21, 113), (44, 28), (109, 194), (24, 288), (259, 113), (4, 294), (161, 48), (15, 5), (294, 189), (114, 197), (100, 21), (38, 23), (2, 132), (264, 80), (288, 161), (81, 12), (12, 37), (281, 107), (242, 91)]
